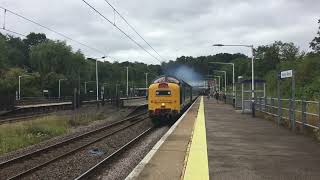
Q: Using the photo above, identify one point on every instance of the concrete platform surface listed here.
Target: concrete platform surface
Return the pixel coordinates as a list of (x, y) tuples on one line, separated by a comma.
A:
[(168, 160), (245, 148)]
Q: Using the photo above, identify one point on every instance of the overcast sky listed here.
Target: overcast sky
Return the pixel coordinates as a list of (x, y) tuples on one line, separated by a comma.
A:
[(173, 27)]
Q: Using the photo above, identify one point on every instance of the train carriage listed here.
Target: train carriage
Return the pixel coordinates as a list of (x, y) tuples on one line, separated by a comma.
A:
[(168, 97)]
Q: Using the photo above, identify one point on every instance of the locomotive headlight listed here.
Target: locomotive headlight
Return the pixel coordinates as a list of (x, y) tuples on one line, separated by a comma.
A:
[(163, 104)]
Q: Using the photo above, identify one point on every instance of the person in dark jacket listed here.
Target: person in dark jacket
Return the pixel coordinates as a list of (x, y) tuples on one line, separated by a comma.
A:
[(216, 96), (224, 98)]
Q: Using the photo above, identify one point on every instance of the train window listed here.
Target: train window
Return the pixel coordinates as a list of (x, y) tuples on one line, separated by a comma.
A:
[(163, 93)]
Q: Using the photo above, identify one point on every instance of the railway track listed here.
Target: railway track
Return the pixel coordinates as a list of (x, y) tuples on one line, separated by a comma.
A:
[(20, 118), (30, 116), (100, 164), (37, 110), (27, 164)]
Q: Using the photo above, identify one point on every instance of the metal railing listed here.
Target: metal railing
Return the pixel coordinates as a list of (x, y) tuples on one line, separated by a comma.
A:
[(302, 112)]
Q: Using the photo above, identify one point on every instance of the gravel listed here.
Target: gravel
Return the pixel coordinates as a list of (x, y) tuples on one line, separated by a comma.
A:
[(115, 116), (126, 162), (74, 165)]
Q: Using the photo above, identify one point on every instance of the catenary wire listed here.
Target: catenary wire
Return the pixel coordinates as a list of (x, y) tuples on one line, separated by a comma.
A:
[(14, 32), (124, 19), (49, 29), (94, 9)]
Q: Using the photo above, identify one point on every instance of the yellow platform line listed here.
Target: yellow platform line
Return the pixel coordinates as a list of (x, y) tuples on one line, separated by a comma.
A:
[(197, 163)]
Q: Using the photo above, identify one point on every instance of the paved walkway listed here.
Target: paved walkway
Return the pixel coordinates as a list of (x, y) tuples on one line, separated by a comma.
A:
[(242, 147), (166, 160)]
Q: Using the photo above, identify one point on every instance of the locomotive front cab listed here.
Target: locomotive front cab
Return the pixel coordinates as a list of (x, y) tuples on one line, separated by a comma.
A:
[(164, 100)]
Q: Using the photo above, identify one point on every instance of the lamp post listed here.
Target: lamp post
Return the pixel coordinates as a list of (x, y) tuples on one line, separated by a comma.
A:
[(60, 86), (146, 84), (103, 90), (127, 81), (215, 82), (233, 75), (225, 80), (252, 72), (19, 97), (97, 79), (117, 89), (219, 82)]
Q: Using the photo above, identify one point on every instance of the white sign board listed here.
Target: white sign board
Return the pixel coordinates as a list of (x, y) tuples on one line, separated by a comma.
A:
[(286, 74), (45, 91)]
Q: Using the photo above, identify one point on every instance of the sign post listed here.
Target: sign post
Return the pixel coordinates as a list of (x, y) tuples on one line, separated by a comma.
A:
[(283, 75), (279, 102)]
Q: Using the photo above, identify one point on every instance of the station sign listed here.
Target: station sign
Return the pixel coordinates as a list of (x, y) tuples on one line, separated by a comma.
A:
[(286, 74)]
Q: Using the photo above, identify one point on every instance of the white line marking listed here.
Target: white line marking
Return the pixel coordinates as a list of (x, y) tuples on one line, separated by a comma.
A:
[(138, 169)]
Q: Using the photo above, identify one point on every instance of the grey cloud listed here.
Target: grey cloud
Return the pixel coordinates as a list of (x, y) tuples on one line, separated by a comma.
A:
[(173, 28)]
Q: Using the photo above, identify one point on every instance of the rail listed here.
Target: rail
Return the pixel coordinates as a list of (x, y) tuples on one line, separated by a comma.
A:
[(132, 120), (95, 168), (303, 112)]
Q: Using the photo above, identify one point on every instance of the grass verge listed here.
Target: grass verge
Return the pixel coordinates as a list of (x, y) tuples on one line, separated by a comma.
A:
[(18, 135)]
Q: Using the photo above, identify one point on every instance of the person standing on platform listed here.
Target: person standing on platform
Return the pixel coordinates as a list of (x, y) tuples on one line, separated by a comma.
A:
[(224, 98), (216, 95)]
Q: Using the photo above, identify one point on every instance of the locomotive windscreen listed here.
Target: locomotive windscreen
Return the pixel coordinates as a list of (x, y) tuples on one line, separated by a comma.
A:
[(167, 80)]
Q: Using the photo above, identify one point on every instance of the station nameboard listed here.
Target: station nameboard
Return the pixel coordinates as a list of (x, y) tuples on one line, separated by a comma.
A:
[(286, 74)]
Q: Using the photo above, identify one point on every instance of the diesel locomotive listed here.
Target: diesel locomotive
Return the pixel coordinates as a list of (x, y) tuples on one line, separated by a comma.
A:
[(168, 96)]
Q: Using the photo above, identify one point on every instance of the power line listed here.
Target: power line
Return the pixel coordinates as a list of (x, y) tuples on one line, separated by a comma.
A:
[(121, 30), (123, 18), (14, 32), (49, 29)]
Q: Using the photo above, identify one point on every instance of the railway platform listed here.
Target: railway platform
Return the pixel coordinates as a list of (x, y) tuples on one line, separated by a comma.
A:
[(213, 141)]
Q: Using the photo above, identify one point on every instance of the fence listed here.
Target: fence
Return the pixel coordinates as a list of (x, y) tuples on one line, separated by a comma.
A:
[(42, 100), (7, 102), (302, 112)]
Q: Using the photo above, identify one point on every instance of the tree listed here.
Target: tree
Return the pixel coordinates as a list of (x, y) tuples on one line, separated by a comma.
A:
[(315, 43), (55, 56), (34, 39), (17, 52), (3, 52)]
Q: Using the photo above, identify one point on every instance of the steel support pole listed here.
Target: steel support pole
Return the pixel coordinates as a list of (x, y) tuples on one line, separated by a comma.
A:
[(19, 88), (242, 98), (235, 97), (279, 102), (233, 80), (293, 101), (85, 87), (59, 88), (225, 82), (97, 80), (219, 84), (146, 84), (252, 81), (127, 81), (303, 113)]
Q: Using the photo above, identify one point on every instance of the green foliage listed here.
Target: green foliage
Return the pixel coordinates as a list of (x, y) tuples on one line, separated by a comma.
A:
[(3, 52), (46, 61), (34, 39), (18, 135), (315, 43)]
